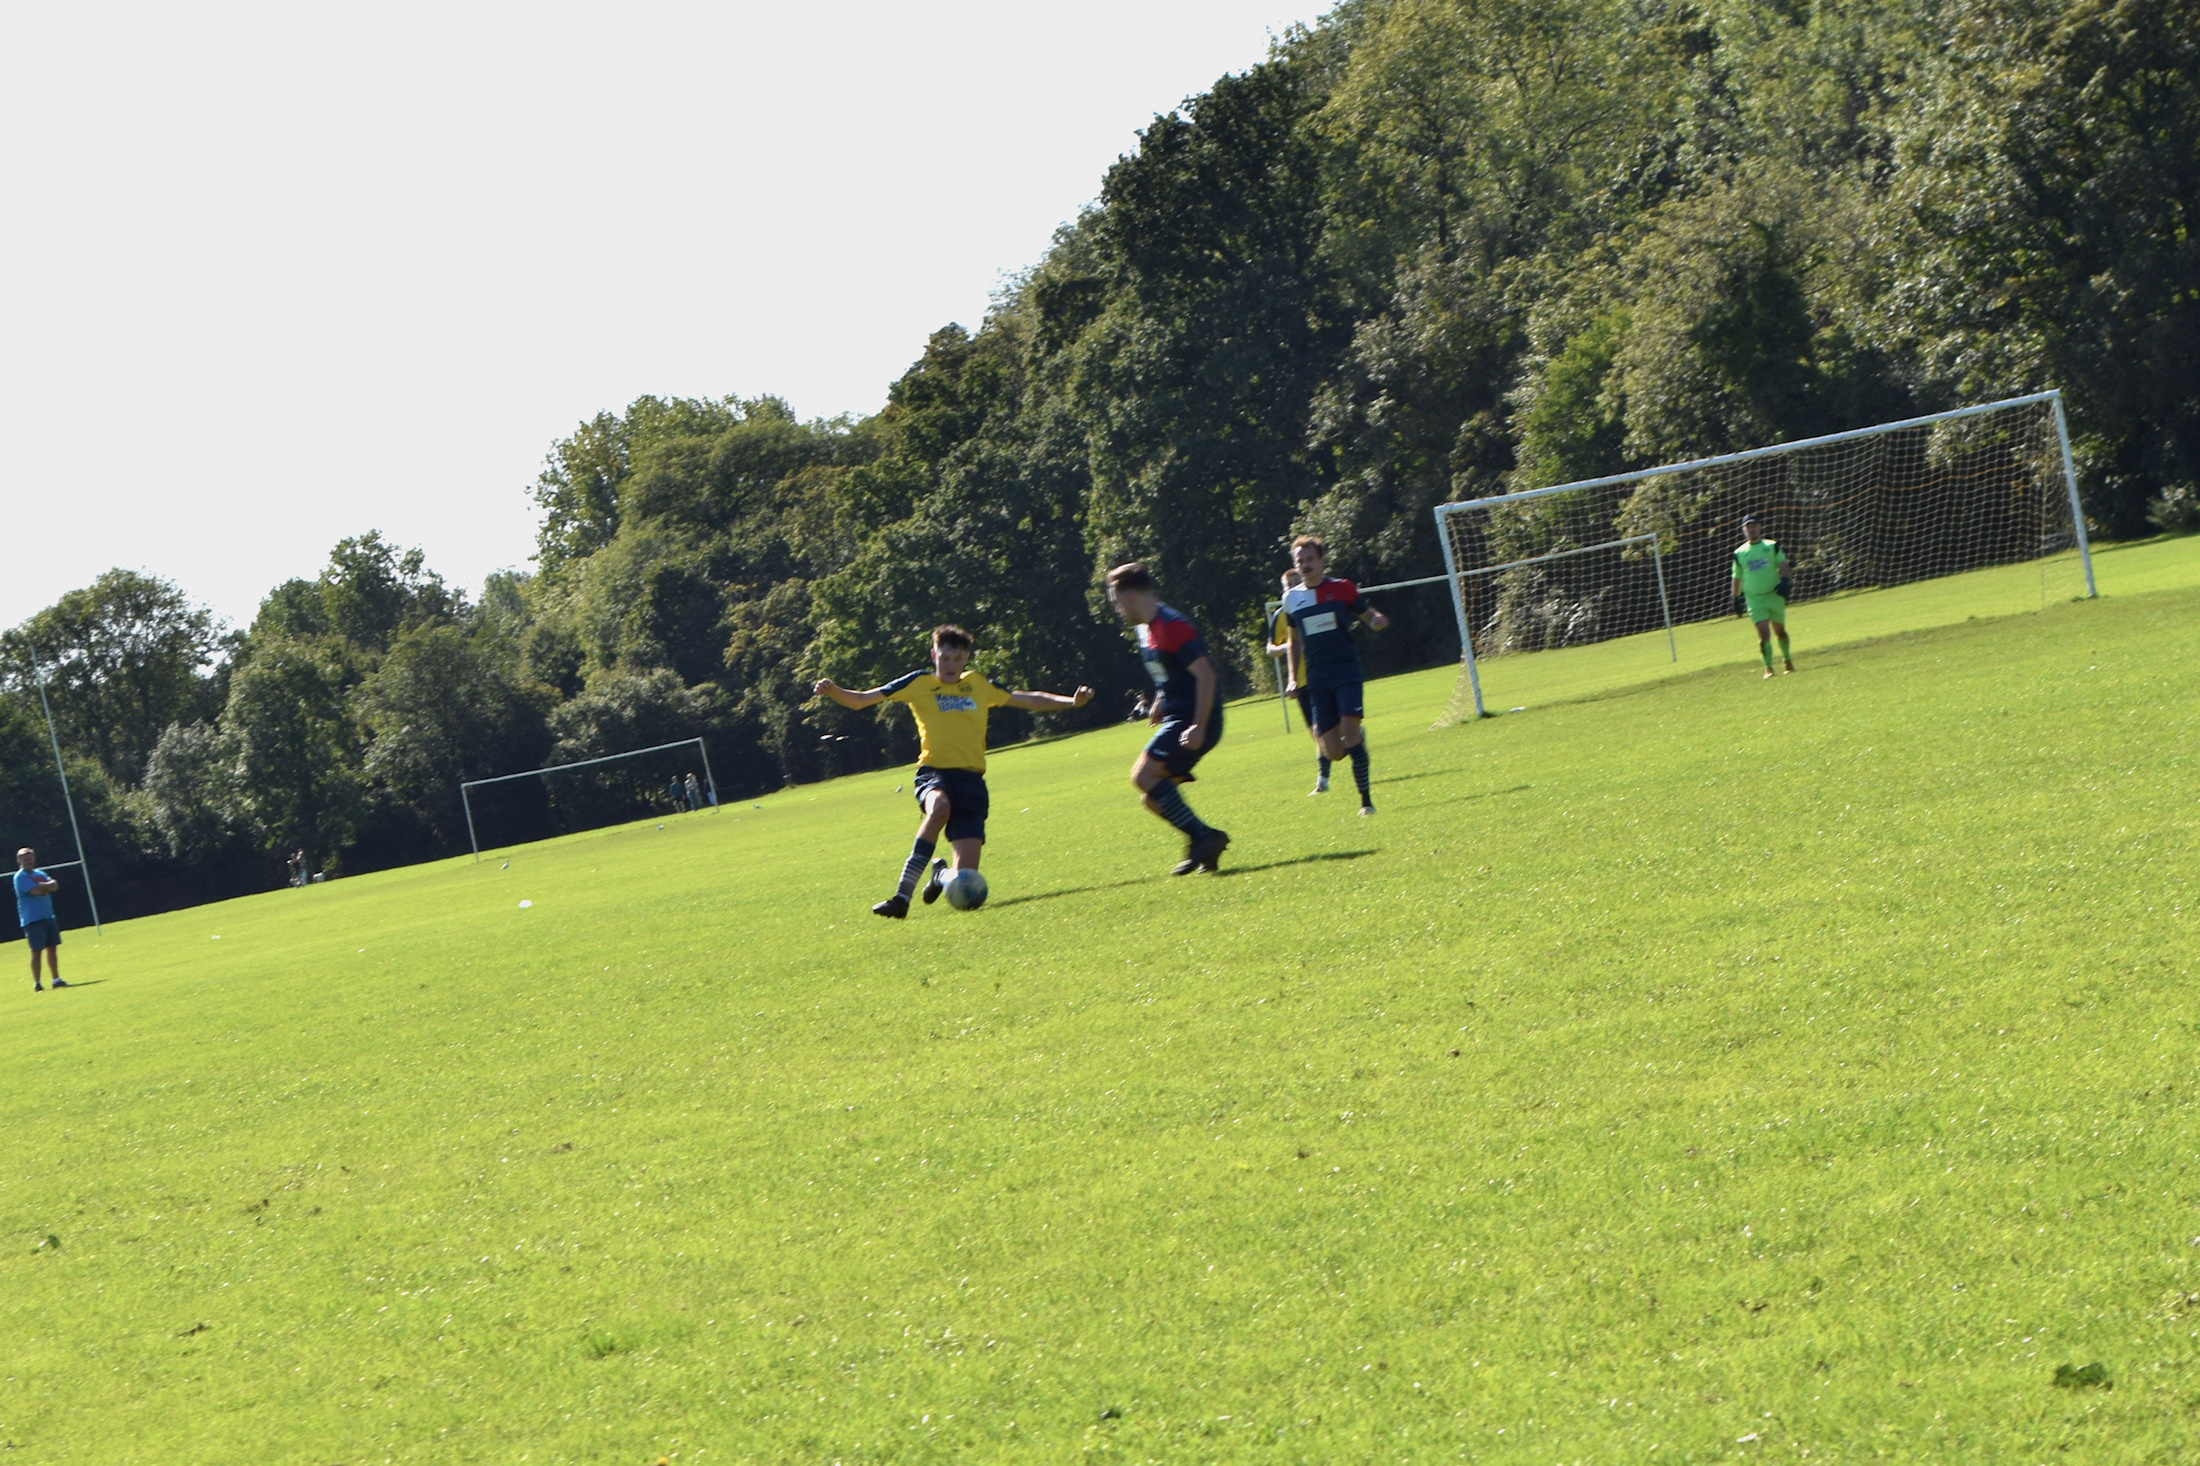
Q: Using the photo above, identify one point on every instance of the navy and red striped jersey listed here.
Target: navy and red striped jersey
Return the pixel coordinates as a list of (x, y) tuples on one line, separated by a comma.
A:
[(1168, 645), (1324, 615)]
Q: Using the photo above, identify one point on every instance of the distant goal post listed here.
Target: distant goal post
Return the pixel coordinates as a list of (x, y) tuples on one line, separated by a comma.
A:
[(1902, 501), (467, 788)]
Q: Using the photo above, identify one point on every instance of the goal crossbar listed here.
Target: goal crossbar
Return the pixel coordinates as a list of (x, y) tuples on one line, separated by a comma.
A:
[(467, 787)]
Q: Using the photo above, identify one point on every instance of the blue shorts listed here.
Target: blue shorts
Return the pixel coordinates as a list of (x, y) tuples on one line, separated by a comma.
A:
[(1167, 745), (1332, 705), (966, 799), (1306, 706), (43, 934)]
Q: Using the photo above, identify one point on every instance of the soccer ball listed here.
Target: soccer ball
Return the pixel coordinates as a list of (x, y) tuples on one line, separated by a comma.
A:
[(965, 890)]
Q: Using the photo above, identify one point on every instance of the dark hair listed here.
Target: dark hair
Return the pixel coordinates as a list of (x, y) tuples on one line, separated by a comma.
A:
[(1307, 539), (1131, 576), (952, 636)]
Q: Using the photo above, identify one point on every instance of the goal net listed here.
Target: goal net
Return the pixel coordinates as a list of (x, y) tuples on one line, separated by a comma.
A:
[(1633, 555), (617, 786)]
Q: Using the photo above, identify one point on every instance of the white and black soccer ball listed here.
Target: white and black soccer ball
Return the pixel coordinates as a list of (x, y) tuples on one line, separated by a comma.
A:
[(965, 890)]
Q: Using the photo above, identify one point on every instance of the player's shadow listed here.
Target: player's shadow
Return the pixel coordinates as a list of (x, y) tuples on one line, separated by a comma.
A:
[(1246, 870), (89, 982), (1071, 891), (1445, 773), (1228, 870)]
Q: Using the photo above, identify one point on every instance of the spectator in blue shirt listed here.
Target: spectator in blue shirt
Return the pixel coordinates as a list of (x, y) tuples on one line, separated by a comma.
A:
[(34, 909)]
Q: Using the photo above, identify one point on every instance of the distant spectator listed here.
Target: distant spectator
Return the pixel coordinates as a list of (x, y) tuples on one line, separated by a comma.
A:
[(34, 909), (694, 794), (299, 868), (677, 793)]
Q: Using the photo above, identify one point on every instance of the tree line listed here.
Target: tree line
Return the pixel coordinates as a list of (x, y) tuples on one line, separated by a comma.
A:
[(1429, 249)]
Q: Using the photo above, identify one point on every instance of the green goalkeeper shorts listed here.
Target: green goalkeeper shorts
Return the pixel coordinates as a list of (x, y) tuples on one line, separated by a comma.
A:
[(1768, 607)]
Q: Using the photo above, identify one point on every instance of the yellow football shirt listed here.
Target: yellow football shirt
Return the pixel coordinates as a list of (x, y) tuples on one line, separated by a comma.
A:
[(950, 716)]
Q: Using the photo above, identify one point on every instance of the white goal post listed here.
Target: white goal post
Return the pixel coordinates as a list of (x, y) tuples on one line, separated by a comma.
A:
[(1903, 501), (466, 789)]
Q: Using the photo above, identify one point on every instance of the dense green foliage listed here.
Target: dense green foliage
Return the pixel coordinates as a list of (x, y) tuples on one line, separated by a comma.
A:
[(1713, 1068), (1428, 249)]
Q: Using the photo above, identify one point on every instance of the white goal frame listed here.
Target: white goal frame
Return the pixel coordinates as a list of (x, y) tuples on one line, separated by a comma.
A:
[(466, 789), (1456, 577)]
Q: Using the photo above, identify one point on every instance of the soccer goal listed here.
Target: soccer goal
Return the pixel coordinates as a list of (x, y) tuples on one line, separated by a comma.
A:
[(466, 789), (1633, 553)]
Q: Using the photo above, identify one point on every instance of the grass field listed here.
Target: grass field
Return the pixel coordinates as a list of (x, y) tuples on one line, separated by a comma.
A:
[(1700, 1069)]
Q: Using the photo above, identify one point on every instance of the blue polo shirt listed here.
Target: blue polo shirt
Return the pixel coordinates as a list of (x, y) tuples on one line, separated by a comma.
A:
[(30, 908)]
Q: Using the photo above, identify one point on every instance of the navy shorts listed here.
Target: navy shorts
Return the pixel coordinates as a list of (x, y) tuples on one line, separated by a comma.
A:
[(1166, 745), (43, 934), (966, 799), (1332, 705), (1306, 706)]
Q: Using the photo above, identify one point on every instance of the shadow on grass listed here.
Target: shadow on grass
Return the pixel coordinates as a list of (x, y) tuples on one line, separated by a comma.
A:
[(1446, 773), (89, 982), (1246, 870), (1232, 870)]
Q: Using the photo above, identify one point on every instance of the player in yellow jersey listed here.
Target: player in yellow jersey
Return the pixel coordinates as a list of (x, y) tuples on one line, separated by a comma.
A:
[(951, 703)]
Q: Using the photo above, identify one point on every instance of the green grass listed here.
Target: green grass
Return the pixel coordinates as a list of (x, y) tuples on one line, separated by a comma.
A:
[(1698, 1069)]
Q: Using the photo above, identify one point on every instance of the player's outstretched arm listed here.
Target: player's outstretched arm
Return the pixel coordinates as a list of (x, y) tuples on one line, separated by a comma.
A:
[(1049, 702), (826, 687), (1374, 618)]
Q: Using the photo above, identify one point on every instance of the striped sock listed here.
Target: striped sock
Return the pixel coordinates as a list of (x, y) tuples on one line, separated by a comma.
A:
[(1358, 754), (920, 853), (1170, 801)]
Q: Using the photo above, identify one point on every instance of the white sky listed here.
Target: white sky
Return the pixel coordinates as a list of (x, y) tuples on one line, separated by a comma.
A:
[(272, 274)]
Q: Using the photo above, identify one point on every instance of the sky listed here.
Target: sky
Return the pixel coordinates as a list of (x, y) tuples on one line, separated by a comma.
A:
[(274, 274)]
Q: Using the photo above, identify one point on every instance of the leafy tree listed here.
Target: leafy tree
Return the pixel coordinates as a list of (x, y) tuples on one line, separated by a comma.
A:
[(440, 709), (298, 748), (123, 658), (2051, 177), (193, 794)]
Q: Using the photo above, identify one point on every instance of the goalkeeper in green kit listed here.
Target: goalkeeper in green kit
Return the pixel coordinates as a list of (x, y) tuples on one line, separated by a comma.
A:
[(1761, 590)]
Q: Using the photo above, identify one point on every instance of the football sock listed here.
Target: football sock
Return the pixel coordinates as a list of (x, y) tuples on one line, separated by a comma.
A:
[(1358, 754), (920, 855), (1170, 801), (1765, 647), (1321, 762), (1785, 655)]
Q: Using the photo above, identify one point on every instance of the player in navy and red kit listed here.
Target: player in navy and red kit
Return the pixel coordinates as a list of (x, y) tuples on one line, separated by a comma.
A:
[(1187, 706), (1322, 611)]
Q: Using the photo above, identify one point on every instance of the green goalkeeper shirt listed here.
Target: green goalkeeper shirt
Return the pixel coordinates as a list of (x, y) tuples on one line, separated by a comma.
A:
[(1757, 565)]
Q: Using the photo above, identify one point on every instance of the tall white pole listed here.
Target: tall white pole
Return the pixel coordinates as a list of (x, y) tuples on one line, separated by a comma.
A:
[(66, 797), (2070, 482), (1459, 608)]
